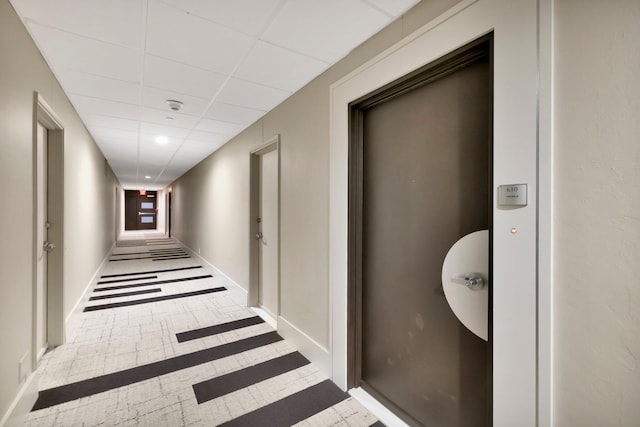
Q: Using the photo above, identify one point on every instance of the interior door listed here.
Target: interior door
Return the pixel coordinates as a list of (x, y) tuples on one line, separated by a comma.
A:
[(140, 210), (423, 159), (268, 233), (147, 211), (42, 243)]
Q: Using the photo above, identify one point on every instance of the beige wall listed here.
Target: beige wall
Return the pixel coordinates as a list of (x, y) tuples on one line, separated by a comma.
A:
[(597, 219), (211, 202), (89, 201)]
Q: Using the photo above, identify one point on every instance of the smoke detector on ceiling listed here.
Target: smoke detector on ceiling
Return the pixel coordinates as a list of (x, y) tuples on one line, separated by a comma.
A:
[(174, 105)]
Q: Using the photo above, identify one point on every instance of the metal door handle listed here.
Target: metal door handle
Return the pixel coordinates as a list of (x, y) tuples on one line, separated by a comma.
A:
[(48, 246), (146, 213), (473, 281), (259, 235)]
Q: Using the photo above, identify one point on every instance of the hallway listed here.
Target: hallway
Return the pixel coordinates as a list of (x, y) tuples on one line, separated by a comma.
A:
[(161, 339)]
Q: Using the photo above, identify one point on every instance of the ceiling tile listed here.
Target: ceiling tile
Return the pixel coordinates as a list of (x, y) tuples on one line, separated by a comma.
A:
[(233, 114), (98, 121), (158, 130), (174, 76), (151, 115), (127, 139), (114, 21), (104, 108), (78, 83), (324, 29), (276, 67), (176, 35), (248, 16), (213, 139), (217, 126), (394, 7), (157, 99), (87, 55), (251, 95)]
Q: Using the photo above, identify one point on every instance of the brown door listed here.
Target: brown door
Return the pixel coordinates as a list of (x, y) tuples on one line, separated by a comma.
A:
[(140, 210), (420, 180)]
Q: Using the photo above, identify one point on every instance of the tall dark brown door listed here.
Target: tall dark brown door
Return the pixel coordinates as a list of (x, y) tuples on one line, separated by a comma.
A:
[(140, 210), (420, 180)]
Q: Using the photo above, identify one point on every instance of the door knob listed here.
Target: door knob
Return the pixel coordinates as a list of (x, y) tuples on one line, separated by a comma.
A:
[(473, 281), (259, 235), (47, 246)]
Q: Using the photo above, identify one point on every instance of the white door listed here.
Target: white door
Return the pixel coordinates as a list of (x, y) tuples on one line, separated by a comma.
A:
[(41, 241), (268, 232)]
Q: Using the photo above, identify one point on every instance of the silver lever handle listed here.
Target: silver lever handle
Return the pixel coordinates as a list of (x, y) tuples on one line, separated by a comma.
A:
[(473, 281), (259, 235), (48, 246)]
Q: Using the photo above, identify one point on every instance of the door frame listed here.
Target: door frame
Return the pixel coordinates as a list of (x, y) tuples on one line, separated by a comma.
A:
[(522, 300), (272, 144), (460, 58), (44, 114)]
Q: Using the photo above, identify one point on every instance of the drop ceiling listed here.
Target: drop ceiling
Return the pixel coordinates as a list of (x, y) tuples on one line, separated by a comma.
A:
[(228, 61)]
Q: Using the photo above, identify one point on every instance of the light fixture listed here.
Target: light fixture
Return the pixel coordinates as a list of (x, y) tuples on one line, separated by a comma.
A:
[(162, 140), (147, 177), (175, 105)]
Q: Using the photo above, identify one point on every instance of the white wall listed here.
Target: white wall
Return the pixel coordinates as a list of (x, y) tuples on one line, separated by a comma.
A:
[(89, 202), (597, 220)]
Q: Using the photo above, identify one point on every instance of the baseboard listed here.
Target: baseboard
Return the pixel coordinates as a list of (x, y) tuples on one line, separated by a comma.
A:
[(22, 404), (309, 348), (240, 294), (84, 297)]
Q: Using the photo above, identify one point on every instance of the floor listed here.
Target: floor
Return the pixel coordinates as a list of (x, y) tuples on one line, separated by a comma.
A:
[(162, 339)]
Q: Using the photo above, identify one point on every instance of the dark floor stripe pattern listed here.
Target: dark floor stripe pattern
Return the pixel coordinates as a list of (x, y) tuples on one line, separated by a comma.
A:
[(104, 282), (150, 272), (225, 384), (218, 329), (73, 391), (125, 294), (154, 299), (292, 409), (156, 282), (286, 411)]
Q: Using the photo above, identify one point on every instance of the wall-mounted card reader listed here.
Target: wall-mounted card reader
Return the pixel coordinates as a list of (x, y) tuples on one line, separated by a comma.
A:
[(512, 195)]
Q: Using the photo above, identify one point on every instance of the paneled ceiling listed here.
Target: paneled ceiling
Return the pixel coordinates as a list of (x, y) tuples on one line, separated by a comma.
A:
[(228, 61)]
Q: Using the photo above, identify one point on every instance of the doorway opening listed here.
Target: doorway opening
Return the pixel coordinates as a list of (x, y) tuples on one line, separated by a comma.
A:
[(48, 220), (264, 288), (420, 179)]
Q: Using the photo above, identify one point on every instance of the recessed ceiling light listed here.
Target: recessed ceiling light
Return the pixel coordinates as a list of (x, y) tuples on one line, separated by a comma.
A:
[(147, 177), (162, 140)]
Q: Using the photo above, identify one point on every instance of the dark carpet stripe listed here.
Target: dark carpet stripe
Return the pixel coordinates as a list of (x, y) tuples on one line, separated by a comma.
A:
[(150, 272), (169, 259), (157, 282), (104, 282), (228, 383), (125, 294), (169, 255), (154, 299), (218, 329), (91, 386), (148, 252), (150, 256), (292, 409), (377, 424)]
